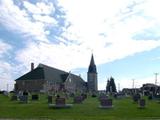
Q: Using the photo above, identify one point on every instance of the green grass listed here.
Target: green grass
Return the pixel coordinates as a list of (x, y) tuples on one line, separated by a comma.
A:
[(124, 109)]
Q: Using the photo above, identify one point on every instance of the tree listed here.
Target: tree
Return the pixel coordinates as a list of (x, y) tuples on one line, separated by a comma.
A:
[(108, 86), (112, 83), (111, 87)]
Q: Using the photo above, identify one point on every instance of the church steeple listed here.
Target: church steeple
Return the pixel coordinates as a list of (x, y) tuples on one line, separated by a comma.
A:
[(92, 76), (92, 67)]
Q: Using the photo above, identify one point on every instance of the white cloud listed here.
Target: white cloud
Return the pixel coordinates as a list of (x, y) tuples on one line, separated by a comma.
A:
[(60, 56), (45, 19), (4, 47), (107, 27), (39, 8), (151, 7), (5, 68), (95, 17), (6, 78), (129, 47), (22, 21)]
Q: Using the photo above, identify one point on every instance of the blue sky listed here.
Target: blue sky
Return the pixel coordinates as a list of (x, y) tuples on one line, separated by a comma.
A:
[(124, 37)]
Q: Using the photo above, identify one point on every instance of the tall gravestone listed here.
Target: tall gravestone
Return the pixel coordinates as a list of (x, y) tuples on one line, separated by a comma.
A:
[(50, 100)]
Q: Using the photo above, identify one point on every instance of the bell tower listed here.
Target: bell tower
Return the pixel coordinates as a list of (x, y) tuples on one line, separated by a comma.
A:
[(92, 76)]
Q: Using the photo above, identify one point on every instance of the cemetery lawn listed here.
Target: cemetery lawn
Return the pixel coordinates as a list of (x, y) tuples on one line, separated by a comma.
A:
[(124, 109)]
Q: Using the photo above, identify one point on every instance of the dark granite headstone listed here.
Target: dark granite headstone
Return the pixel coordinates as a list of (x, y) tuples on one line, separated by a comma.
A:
[(35, 97), (142, 103), (136, 98), (78, 99), (60, 101), (23, 99), (94, 95), (49, 99), (115, 95), (14, 98), (25, 93), (1, 92), (106, 103), (150, 97)]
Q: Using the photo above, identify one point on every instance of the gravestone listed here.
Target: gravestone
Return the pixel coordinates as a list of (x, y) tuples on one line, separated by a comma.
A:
[(78, 99), (25, 93), (60, 103), (106, 103), (142, 103), (35, 97), (49, 99), (6, 93), (1, 92), (115, 95), (150, 97), (136, 98), (14, 98), (23, 99), (84, 96), (94, 95)]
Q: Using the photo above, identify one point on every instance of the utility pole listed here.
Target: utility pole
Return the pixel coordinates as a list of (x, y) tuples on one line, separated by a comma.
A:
[(7, 87), (133, 83), (156, 74), (118, 87)]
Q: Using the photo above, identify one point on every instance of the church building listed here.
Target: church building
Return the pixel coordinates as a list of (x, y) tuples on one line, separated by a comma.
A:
[(44, 78)]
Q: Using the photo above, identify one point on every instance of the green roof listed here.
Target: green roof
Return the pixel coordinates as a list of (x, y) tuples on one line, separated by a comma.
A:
[(50, 74), (37, 73)]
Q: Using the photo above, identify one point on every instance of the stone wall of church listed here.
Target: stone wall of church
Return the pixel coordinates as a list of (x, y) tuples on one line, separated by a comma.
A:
[(29, 85), (75, 86), (92, 82)]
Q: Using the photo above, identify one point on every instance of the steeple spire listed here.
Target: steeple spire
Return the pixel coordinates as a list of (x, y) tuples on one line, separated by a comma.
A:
[(92, 60), (92, 66)]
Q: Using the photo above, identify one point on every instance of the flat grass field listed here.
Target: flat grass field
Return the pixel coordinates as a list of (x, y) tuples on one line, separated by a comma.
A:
[(124, 109)]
